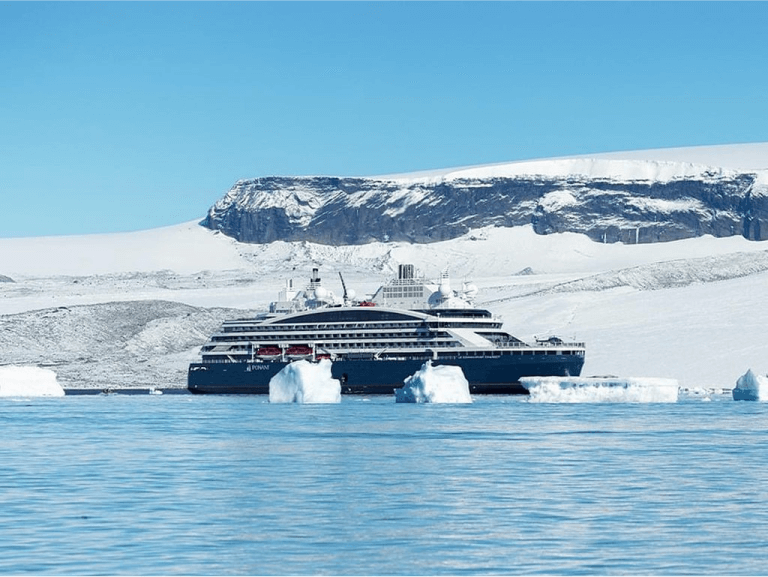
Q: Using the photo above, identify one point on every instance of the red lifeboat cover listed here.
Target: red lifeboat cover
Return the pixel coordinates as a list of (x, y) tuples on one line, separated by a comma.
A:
[(298, 350), (268, 351)]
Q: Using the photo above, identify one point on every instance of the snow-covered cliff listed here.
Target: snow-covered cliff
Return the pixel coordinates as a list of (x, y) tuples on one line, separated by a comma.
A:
[(609, 200)]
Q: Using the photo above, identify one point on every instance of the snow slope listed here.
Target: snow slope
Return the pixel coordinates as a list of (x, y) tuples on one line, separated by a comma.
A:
[(139, 305), (747, 157), (184, 248), (735, 157)]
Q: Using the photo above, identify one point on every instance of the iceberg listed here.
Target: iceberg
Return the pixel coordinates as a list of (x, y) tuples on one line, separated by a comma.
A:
[(441, 384), (305, 382), (751, 387), (23, 381), (600, 390)]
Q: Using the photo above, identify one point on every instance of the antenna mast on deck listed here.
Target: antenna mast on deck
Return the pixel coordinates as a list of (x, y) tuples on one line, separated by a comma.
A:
[(344, 286)]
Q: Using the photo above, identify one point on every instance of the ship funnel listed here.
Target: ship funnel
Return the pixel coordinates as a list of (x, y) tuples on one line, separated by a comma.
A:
[(405, 272)]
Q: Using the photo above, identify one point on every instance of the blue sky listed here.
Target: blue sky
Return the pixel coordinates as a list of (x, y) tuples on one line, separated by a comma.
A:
[(127, 116)]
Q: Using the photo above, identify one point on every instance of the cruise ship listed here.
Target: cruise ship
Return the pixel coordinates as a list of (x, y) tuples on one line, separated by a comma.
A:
[(376, 343)]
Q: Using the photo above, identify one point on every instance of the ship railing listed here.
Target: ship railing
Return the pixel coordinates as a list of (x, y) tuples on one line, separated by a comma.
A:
[(539, 345), (563, 345)]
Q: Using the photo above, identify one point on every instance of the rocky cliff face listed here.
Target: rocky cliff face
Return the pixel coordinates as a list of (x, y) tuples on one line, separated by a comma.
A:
[(625, 201)]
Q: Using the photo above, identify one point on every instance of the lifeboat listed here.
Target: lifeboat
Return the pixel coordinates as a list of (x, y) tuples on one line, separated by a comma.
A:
[(268, 352), (298, 352)]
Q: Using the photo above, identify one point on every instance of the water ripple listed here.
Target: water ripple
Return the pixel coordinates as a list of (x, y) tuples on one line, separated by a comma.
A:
[(227, 485)]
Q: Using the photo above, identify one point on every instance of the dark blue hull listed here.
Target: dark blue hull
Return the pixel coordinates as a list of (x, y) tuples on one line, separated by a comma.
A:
[(486, 375)]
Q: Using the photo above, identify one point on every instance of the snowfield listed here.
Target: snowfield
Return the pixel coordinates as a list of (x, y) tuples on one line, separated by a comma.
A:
[(133, 309), (752, 157), (693, 310)]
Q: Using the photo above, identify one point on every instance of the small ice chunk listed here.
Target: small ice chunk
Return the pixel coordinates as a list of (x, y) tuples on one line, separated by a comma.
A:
[(440, 384), (751, 387), (18, 381), (305, 382), (600, 390)]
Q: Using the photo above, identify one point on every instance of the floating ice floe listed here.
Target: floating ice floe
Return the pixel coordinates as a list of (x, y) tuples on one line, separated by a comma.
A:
[(305, 382), (751, 387), (704, 394), (29, 382), (600, 390), (441, 384)]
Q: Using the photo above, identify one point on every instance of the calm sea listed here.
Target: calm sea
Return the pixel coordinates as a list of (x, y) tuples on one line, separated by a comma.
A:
[(182, 484)]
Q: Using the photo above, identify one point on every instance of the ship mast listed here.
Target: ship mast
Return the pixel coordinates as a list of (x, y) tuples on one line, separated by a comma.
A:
[(343, 286)]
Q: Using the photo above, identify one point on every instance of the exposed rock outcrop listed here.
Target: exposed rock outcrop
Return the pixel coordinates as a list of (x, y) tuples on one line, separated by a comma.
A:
[(629, 201)]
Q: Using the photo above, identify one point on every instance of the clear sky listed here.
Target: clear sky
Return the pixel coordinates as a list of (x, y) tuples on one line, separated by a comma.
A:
[(127, 116)]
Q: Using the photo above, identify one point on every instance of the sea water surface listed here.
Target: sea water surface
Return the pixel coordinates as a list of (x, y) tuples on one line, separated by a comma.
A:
[(183, 484)]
